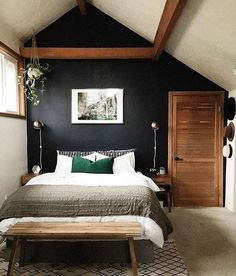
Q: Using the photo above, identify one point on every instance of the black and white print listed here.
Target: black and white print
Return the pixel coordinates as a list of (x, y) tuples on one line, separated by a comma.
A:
[(97, 106)]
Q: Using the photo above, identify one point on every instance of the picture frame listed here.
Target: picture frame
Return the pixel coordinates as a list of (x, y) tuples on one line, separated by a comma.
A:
[(97, 106)]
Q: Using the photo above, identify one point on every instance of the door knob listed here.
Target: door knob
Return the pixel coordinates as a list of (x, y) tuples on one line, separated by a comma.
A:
[(178, 159)]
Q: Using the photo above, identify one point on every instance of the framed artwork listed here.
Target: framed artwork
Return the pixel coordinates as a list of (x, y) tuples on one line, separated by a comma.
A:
[(97, 106)]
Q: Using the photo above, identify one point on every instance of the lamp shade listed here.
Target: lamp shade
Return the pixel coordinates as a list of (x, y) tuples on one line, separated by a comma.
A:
[(155, 125), (38, 124)]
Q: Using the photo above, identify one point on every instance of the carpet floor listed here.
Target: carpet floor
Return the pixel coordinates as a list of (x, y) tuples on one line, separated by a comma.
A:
[(206, 239), (167, 262)]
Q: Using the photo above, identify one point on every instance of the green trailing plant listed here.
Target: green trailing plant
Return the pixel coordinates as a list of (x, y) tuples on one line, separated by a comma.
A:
[(34, 76)]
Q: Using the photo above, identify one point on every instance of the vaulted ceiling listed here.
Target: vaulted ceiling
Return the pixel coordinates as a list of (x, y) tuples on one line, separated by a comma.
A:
[(204, 37)]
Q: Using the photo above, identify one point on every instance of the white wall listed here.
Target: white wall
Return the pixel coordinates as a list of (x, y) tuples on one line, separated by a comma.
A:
[(230, 192), (13, 138), (13, 154)]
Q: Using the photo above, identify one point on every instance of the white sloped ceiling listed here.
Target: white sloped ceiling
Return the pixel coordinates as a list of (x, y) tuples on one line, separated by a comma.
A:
[(204, 37), (205, 40), (141, 16), (24, 16)]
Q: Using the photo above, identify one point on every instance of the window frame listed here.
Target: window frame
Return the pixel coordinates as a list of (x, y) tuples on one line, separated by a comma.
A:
[(4, 49)]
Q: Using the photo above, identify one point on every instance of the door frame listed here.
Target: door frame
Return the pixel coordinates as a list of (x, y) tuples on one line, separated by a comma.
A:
[(221, 126)]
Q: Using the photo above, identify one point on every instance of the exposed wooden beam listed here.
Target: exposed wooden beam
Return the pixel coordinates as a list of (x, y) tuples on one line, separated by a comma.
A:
[(82, 6), (170, 15), (90, 53)]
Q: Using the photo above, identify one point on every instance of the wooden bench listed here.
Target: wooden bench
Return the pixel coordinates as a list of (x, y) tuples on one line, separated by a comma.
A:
[(41, 231)]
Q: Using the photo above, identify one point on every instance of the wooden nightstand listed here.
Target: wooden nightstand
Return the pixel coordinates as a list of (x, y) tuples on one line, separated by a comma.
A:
[(26, 177), (164, 182)]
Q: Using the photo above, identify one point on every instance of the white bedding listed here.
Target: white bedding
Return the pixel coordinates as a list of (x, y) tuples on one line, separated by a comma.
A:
[(151, 230), (93, 179)]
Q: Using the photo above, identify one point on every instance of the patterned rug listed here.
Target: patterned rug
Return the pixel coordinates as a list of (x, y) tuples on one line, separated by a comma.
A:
[(167, 262)]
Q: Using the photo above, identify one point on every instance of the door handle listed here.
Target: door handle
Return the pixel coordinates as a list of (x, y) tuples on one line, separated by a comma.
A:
[(178, 159)]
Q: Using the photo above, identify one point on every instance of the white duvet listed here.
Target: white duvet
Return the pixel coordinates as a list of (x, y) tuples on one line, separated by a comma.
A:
[(150, 229), (93, 179)]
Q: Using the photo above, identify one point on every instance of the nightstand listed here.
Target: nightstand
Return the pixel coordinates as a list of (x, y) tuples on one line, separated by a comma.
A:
[(26, 177), (164, 182)]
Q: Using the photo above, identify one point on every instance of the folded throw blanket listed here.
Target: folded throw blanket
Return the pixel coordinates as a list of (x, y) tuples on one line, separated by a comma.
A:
[(74, 200)]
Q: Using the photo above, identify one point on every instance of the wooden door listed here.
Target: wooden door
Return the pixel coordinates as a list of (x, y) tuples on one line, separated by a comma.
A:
[(195, 136)]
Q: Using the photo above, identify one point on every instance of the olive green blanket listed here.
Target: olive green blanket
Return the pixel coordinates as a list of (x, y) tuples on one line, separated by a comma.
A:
[(74, 200)]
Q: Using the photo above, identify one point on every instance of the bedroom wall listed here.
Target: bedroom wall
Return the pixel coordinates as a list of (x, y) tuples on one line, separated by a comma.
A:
[(146, 84), (13, 145)]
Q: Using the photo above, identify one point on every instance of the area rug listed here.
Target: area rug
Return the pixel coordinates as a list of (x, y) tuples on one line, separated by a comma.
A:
[(167, 262)]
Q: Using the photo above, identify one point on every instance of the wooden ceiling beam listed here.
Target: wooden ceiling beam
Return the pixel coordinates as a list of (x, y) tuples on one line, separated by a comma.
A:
[(170, 15), (82, 6), (90, 53)]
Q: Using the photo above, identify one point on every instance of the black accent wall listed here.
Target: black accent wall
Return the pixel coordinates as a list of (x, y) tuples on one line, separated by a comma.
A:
[(96, 29), (146, 85)]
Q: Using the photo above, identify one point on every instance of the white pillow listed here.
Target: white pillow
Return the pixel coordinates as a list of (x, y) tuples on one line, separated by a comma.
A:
[(124, 163), (64, 164), (91, 157), (100, 156)]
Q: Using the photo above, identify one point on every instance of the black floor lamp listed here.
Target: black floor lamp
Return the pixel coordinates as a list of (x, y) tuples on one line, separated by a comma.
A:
[(38, 125)]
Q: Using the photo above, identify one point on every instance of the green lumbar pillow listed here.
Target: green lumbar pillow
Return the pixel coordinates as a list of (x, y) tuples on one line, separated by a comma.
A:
[(80, 164)]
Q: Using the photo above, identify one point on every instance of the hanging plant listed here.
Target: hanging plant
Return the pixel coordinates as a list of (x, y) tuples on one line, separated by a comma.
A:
[(34, 76)]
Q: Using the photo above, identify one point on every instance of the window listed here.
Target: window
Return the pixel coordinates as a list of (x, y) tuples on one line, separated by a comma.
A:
[(11, 94)]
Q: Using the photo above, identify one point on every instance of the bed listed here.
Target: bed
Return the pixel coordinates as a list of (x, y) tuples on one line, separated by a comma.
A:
[(65, 196)]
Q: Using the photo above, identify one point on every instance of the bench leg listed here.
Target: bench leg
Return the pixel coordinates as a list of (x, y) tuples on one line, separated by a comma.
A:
[(133, 256), (12, 257)]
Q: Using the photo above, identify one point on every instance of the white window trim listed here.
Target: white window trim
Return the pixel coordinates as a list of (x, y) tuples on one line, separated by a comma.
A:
[(15, 62), (13, 56)]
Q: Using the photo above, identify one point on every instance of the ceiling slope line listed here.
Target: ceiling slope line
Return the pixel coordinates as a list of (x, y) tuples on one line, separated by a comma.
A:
[(170, 15), (90, 53), (82, 6)]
